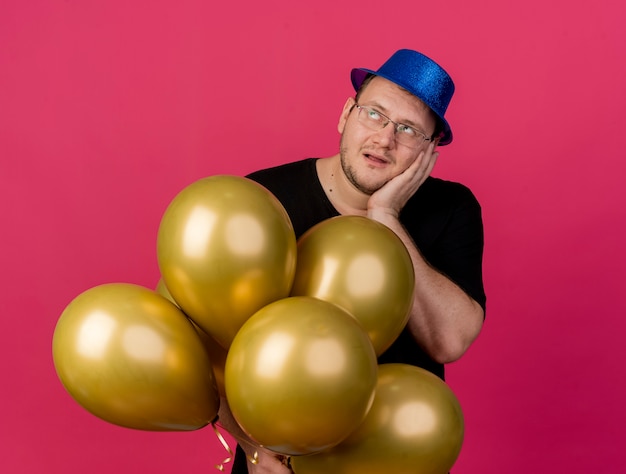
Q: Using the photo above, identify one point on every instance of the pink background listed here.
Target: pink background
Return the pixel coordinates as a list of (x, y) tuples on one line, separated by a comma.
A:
[(108, 109)]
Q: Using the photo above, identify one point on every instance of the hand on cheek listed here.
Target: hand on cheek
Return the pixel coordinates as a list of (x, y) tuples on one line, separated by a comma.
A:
[(392, 197)]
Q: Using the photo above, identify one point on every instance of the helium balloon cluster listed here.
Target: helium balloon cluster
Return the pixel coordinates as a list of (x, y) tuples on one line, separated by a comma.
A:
[(149, 359), (287, 331)]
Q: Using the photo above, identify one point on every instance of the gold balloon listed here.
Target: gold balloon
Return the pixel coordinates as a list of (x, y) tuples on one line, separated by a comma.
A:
[(300, 375), (415, 426), (132, 358), (217, 354), (226, 248), (362, 266)]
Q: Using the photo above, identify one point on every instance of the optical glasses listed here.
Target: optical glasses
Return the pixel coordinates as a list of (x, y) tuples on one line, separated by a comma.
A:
[(405, 135)]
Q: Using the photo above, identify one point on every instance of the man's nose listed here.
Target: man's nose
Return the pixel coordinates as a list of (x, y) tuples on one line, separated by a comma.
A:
[(386, 136)]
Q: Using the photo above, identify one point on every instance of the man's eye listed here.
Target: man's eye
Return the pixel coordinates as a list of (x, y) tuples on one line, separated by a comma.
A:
[(373, 114), (405, 129)]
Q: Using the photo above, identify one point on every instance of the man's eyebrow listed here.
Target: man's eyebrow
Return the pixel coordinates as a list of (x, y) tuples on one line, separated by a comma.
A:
[(376, 105)]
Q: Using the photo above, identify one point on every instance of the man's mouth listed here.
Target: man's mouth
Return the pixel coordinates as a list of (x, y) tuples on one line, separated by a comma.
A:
[(376, 159)]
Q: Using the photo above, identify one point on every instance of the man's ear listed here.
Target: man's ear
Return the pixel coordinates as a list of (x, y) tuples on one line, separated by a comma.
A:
[(347, 108)]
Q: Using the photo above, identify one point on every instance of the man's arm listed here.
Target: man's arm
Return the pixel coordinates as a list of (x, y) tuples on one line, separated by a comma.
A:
[(444, 319)]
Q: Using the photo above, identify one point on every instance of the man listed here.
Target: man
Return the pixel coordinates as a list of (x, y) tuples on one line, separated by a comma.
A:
[(389, 137)]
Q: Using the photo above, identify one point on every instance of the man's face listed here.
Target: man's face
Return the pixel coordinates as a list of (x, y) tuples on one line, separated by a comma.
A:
[(370, 158)]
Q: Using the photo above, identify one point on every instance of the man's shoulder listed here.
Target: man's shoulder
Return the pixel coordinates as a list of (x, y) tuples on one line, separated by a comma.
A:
[(446, 190), (292, 182), (440, 184), (290, 170)]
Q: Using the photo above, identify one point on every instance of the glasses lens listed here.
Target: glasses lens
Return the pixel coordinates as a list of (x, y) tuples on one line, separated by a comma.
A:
[(371, 119), (408, 136), (404, 135)]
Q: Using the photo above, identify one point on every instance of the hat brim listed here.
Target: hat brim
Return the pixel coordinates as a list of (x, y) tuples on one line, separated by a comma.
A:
[(358, 76)]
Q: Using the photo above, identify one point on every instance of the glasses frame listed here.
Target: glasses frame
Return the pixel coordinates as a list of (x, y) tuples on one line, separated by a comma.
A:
[(387, 121)]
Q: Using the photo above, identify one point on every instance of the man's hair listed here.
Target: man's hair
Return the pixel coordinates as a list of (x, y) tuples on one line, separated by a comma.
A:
[(438, 123), (364, 84)]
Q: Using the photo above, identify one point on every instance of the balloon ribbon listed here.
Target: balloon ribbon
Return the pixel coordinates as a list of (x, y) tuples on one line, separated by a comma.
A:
[(220, 467), (254, 459)]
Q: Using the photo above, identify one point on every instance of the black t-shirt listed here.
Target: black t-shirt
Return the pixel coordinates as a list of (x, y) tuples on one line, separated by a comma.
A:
[(443, 218)]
